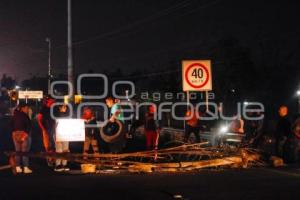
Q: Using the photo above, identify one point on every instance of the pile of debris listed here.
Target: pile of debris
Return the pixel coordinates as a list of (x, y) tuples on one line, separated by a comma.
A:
[(175, 159)]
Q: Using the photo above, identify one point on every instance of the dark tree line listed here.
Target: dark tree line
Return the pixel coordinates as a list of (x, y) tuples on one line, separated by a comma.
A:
[(267, 73)]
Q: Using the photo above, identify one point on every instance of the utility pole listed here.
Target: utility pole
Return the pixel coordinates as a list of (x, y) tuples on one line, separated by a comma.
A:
[(70, 58), (49, 64), (298, 96)]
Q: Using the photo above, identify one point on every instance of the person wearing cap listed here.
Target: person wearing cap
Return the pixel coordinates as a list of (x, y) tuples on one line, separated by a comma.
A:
[(21, 128)]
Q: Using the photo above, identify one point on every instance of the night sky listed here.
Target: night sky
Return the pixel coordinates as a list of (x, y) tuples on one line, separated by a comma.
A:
[(140, 34)]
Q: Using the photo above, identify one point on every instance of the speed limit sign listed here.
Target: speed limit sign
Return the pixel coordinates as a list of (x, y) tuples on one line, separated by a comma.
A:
[(196, 75)]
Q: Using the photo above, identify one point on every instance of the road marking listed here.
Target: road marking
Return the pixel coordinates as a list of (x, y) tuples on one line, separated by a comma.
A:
[(5, 167), (284, 172)]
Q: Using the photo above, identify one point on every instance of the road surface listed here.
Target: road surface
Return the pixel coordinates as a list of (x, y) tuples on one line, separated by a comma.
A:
[(260, 183)]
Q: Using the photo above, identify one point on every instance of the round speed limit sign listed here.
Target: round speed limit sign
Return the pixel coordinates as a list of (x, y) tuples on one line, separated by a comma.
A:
[(196, 75)]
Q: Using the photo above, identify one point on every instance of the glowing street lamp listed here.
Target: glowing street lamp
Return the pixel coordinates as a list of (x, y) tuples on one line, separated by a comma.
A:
[(246, 103)]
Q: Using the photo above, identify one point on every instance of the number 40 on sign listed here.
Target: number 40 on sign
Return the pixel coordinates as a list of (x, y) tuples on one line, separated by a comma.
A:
[(196, 75)]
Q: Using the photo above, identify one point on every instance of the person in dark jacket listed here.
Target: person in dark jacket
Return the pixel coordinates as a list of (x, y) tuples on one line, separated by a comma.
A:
[(283, 130), (91, 133), (21, 127), (296, 139), (152, 129), (47, 124)]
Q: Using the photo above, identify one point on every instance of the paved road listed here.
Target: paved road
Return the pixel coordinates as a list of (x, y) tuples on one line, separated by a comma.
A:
[(207, 184)]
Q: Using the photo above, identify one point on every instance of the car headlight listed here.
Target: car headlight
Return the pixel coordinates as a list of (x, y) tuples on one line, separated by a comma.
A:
[(223, 129)]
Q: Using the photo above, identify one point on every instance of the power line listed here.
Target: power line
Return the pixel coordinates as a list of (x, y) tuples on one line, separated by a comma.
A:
[(209, 3), (148, 75), (148, 19), (156, 16)]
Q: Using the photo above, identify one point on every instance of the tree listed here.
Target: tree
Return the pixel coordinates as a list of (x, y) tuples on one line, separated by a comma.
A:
[(8, 82)]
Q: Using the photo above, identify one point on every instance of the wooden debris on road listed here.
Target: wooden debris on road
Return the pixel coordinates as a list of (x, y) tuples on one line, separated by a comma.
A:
[(175, 159)]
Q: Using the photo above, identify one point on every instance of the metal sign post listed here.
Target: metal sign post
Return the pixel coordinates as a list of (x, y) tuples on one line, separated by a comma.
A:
[(206, 100), (187, 106)]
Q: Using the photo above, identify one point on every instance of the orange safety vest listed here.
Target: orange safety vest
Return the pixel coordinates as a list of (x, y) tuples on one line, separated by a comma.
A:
[(192, 121)]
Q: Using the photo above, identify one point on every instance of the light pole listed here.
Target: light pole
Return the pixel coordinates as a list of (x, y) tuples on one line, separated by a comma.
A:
[(298, 95), (70, 58), (49, 63)]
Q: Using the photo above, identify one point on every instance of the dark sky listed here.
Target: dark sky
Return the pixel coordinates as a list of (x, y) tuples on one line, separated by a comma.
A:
[(136, 34)]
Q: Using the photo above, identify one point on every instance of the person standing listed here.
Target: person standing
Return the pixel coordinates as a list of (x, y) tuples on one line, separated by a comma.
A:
[(115, 110), (237, 125), (152, 129), (91, 133), (283, 130), (47, 124), (21, 127), (296, 139), (116, 113), (192, 124), (255, 129), (61, 146)]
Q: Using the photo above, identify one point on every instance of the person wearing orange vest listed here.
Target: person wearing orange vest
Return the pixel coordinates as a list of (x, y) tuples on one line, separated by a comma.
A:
[(283, 130), (237, 125), (192, 124)]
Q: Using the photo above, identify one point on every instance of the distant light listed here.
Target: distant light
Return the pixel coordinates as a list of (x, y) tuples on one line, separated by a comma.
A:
[(246, 103), (233, 90), (178, 196), (269, 141), (127, 97), (17, 87), (298, 93)]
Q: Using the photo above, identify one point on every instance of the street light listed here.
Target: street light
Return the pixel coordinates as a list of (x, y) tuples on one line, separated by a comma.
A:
[(298, 93), (246, 103)]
